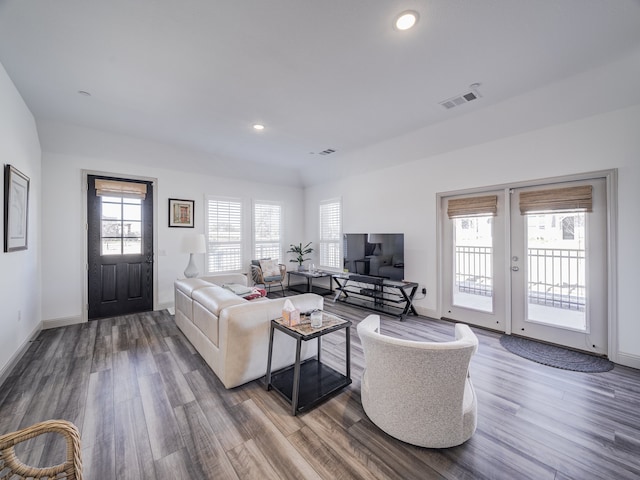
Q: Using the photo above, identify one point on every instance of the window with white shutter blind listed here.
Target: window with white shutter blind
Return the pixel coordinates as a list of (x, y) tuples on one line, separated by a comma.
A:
[(267, 230), (330, 233), (224, 235)]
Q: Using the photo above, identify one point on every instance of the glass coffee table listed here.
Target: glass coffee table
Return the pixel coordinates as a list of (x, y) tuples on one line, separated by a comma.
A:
[(305, 384)]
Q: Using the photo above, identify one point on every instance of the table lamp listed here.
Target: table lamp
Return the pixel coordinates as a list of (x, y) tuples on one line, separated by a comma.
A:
[(193, 244)]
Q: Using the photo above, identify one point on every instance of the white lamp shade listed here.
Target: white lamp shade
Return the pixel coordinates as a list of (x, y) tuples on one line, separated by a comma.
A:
[(195, 243), (376, 238)]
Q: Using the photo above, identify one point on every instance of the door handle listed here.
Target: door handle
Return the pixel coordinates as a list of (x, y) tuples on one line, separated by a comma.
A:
[(149, 259), (515, 269)]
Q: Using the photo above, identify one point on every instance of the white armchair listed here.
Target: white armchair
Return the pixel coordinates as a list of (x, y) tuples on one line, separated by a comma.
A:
[(419, 392)]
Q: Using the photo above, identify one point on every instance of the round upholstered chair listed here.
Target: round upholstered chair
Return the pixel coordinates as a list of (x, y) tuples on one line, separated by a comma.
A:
[(419, 392)]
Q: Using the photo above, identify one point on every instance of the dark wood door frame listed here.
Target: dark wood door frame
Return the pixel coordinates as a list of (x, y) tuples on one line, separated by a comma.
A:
[(85, 213)]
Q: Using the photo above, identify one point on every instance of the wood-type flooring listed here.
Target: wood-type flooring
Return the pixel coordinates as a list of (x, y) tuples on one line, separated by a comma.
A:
[(149, 407)]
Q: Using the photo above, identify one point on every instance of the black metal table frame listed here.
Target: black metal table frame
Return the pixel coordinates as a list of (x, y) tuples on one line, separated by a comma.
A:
[(296, 366), (400, 286), (319, 290)]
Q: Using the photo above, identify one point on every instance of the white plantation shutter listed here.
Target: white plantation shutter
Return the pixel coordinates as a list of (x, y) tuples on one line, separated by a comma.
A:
[(224, 235), (267, 230), (330, 234)]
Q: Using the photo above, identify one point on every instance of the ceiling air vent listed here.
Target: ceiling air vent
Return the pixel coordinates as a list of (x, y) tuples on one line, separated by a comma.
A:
[(328, 151), (458, 100)]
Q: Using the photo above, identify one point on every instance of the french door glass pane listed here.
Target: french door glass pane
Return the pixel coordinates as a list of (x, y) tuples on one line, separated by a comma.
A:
[(556, 269), (473, 258)]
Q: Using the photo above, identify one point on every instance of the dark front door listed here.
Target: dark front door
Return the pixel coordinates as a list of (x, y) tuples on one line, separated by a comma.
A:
[(120, 246)]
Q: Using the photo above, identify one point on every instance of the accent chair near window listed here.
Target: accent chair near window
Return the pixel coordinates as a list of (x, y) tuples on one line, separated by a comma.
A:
[(268, 272)]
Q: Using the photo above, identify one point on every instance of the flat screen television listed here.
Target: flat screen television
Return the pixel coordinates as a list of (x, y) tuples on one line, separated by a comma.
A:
[(375, 254)]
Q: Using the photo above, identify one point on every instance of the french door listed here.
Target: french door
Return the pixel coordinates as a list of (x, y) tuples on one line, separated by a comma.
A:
[(473, 275), (537, 270), (559, 268)]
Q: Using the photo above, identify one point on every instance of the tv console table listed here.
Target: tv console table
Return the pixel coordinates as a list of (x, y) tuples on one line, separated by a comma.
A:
[(376, 293)]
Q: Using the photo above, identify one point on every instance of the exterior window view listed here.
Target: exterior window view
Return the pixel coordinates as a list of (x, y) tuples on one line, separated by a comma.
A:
[(121, 232), (556, 269), (473, 279)]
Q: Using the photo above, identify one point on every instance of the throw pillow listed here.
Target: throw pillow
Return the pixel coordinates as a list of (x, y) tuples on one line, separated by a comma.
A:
[(237, 289), (270, 268)]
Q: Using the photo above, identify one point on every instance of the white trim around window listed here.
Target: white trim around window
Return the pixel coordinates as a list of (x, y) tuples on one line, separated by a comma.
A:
[(330, 215), (224, 234), (267, 230)]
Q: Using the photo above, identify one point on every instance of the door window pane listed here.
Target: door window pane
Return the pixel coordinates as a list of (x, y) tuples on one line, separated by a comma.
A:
[(473, 263), (132, 246), (132, 212), (557, 269), (121, 226), (111, 246), (111, 211)]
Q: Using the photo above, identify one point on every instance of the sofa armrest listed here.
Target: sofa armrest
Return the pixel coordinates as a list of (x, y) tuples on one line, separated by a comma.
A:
[(244, 338)]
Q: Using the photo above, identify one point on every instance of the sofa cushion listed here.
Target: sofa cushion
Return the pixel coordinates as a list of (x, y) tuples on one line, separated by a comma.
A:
[(189, 285), (215, 298), (206, 322), (222, 278)]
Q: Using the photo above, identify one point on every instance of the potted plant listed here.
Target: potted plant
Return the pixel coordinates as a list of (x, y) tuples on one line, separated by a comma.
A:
[(300, 252)]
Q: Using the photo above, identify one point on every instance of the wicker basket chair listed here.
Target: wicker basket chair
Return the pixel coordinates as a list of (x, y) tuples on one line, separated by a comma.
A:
[(11, 466), (259, 277)]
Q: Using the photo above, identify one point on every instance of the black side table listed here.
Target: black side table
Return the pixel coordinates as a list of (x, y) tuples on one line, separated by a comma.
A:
[(305, 384), (311, 288)]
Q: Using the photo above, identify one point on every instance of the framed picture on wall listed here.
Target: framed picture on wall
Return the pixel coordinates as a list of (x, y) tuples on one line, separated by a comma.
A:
[(181, 213), (16, 209)]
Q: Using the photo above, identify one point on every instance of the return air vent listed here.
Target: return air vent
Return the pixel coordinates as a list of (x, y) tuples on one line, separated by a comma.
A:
[(461, 99), (328, 151)]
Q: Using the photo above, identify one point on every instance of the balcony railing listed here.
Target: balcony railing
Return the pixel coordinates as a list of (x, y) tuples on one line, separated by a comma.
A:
[(474, 270), (556, 275)]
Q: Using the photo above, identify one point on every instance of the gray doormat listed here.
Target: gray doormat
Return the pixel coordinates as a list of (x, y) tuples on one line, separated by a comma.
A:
[(554, 356)]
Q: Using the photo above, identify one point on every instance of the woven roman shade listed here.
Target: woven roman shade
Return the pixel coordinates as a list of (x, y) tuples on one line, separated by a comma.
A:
[(471, 206), (106, 188), (568, 199)]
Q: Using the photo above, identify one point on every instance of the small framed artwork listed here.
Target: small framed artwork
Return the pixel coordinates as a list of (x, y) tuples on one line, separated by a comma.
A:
[(16, 209), (181, 213)]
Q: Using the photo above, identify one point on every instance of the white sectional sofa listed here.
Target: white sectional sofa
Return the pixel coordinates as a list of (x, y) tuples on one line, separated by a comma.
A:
[(231, 333)]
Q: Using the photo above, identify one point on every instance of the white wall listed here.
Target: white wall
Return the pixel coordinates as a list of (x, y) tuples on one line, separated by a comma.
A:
[(63, 218), (19, 271), (403, 198)]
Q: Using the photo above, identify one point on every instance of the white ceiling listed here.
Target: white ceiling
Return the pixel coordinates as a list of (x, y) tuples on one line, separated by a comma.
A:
[(196, 74)]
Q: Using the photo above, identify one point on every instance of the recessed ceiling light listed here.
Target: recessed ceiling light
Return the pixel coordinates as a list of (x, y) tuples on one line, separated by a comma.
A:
[(258, 127), (406, 20), (84, 93)]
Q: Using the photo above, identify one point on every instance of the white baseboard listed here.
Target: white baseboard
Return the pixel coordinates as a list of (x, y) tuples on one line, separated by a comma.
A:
[(628, 360), (425, 312), (15, 358), (60, 322), (165, 306)]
